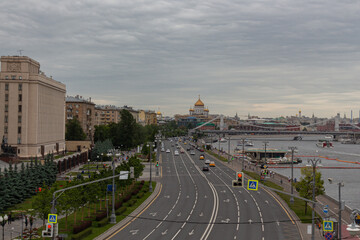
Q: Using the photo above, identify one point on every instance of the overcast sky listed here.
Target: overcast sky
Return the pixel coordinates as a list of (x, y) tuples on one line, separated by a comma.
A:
[(266, 58)]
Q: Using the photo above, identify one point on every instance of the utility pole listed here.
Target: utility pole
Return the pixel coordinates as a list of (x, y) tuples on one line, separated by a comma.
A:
[(265, 145), (113, 216), (229, 151), (313, 164), (292, 174), (243, 153)]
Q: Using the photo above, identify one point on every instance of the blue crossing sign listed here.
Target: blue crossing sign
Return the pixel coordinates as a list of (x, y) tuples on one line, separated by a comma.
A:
[(52, 218), (328, 226), (253, 185), (326, 209)]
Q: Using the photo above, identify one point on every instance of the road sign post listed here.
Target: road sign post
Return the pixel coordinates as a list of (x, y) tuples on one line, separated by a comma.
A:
[(328, 226)]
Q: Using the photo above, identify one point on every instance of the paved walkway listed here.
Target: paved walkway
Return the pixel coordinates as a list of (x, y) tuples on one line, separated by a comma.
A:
[(284, 182)]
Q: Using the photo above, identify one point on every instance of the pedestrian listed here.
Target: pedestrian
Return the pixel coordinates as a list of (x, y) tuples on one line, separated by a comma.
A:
[(281, 181), (289, 179), (31, 221), (26, 221)]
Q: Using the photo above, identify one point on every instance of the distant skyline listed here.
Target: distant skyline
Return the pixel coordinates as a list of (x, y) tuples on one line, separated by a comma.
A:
[(266, 58)]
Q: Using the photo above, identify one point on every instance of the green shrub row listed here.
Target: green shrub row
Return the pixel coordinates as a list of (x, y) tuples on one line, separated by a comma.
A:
[(82, 234)]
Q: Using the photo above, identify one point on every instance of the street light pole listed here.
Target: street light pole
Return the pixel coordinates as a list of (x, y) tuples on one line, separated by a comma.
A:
[(313, 163), (113, 216), (292, 174), (3, 221), (340, 184), (265, 144), (229, 151), (150, 183), (243, 153)]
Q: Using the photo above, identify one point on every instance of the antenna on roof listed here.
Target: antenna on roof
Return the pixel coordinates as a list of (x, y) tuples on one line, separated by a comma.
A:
[(20, 51)]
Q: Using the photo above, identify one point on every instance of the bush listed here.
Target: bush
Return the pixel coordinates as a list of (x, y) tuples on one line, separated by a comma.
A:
[(100, 216), (118, 204), (84, 225), (131, 202), (127, 198), (120, 211), (101, 223), (140, 195), (82, 234), (136, 191)]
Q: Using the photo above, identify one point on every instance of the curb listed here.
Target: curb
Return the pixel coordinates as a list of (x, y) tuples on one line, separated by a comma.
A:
[(127, 220)]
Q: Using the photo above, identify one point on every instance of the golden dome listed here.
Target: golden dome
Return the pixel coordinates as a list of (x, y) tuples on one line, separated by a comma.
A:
[(191, 110), (206, 110), (158, 113), (199, 103)]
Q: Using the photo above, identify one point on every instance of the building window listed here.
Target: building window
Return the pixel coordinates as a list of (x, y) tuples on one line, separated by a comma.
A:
[(5, 129), (6, 108), (18, 151), (19, 130), (19, 119), (7, 77), (6, 97), (20, 97), (20, 77), (6, 119), (13, 77), (20, 108), (20, 87), (6, 87), (19, 140), (77, 106)]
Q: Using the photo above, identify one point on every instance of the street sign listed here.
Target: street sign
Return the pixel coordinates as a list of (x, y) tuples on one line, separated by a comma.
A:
[(357, 219), (328, 226), (328, 236), (124, 175), (326, 209), (109, 187), (52, 218), (253, 185)]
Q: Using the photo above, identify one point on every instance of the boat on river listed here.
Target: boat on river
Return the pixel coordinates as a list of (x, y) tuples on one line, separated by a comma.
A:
[(273, 156), (324, 143)]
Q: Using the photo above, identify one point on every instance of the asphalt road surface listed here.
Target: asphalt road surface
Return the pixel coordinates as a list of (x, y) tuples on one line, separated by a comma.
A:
[(193, 204)]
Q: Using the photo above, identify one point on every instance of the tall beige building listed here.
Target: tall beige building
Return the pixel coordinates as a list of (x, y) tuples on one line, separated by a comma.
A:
[(84, 111), (32, 108)]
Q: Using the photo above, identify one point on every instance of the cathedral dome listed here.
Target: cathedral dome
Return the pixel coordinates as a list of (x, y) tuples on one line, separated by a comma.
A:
[(199, 103)]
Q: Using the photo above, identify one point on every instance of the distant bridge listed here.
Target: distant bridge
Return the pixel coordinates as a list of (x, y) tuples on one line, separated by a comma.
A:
[(277, 132)]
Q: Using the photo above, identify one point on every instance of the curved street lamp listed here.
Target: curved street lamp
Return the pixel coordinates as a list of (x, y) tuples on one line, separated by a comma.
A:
[(3, 221)]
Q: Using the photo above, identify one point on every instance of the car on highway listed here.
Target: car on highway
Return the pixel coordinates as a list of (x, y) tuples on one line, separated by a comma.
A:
[(188, 149), (207, 161), (201, 150), (205, 168), (182, 150), (176, 153), (212, 164), (167, 150), (202, 157), (163, 149), (192, 152)]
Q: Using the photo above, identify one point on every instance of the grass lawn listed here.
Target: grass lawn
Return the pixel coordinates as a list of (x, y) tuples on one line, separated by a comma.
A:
[(217, 156), (60, 156)]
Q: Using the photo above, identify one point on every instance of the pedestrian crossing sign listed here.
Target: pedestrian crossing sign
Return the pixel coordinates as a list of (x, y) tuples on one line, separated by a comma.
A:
[(328, 226), (52, 218), (253, 185)]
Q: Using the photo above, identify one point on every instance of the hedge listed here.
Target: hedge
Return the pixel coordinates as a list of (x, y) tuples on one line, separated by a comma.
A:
[(84, 225), (82, 234), (100, 216), (120, 211), (101, 223)]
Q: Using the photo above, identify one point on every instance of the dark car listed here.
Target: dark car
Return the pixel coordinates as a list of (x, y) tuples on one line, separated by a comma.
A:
[(188, 149), (201, 150), (205, 168)]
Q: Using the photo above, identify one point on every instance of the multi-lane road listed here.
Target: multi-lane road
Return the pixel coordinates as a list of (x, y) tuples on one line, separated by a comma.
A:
[(193, 204)]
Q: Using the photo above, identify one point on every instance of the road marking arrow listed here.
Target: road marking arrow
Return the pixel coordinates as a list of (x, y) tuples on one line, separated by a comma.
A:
[(277, 222), (187, 196), (239, 191), (227, 200), (201, 214), (153, 214), (192, 232), (167, 196), (134, 232), (250, 221), (223, 191), (258, 192), (205, 196), (267, 201), (179, 214), (163, 233), (225, 221), (245, 201)]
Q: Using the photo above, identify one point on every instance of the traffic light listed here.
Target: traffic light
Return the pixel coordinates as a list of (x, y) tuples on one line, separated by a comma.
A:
[(48, 232), (239, 182), (157, 163)]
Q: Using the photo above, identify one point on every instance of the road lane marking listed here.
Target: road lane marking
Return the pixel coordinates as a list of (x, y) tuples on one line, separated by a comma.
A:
[(116, 232)]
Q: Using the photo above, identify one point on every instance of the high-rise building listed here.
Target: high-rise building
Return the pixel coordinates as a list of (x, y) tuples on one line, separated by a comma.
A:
[(32, 108)]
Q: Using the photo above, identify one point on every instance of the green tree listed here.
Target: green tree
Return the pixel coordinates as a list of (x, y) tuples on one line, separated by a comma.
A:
[(41, 204), (125, 131), (74, 131), (305, 185), (102, 132)]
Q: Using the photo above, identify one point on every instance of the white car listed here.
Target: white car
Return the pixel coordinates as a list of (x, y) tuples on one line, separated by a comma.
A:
[(167, 150), (192, 153), (207, 161), (176, 153), (163, 149)]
